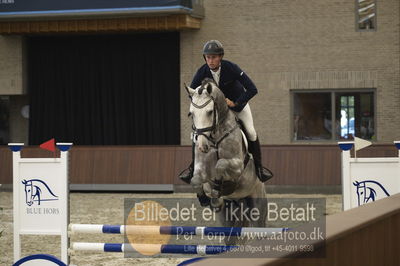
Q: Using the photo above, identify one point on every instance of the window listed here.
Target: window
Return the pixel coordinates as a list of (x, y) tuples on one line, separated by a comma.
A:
[(346, 116), (351, 111), (4, 119), (312, 116), (356, 113), (365, 15)]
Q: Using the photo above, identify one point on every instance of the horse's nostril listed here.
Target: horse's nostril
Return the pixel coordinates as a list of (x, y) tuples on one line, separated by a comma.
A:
[(204, 148)]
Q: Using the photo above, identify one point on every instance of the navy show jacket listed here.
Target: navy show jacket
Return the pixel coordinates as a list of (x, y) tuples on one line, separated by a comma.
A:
[(233, 82)]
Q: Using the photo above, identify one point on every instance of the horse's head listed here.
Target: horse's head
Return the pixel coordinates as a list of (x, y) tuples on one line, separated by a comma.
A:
[(364, 192), (28, 192), (204, 111)]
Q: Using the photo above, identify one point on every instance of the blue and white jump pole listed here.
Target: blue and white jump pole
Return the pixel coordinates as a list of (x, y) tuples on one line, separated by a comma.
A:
[(151, 248), (172, 230)]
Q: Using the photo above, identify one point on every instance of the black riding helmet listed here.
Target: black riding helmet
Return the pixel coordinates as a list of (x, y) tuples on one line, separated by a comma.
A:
[(213, 47)]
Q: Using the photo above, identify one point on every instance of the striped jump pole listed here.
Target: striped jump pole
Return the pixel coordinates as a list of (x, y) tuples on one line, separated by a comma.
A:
[(172, 230), (151, 248)]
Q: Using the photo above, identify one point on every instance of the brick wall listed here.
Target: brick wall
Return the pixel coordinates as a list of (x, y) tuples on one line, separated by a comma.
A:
[(11, 67), (304, 44), (282, 45)]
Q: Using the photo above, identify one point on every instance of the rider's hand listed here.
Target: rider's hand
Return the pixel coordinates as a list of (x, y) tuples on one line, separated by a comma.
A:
[(230, 103)]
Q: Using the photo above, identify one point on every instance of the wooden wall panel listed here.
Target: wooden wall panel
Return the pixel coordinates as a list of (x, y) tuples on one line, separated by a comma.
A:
[(303, 164), (5, 166), (122, 165), (291, 164), (183, 158)]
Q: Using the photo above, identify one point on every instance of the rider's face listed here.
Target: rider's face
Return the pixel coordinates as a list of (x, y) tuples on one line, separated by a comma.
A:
[(213, 61)]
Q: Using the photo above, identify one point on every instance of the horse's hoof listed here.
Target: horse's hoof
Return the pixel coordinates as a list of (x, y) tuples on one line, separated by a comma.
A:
[(204, 200), (215, 193), (228, 187), (216, 204), (216, 209)]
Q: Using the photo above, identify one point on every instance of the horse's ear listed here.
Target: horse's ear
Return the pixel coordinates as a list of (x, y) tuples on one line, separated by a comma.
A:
[(209, 88), (189, 90)]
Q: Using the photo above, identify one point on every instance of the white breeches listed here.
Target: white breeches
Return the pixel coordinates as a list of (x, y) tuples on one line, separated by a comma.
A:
[(246, 117)]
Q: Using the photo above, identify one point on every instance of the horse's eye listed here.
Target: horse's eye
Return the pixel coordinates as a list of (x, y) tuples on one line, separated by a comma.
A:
[(209, 112), (190, 114)]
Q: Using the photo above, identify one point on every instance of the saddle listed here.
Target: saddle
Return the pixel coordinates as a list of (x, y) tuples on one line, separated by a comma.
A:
[(244, 142)]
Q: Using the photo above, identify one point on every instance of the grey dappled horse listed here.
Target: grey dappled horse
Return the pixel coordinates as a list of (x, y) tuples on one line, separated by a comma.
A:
[(223, 169)]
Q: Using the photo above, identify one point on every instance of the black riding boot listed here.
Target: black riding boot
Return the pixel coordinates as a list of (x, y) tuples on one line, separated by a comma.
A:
[(187, 174), (262, 173)]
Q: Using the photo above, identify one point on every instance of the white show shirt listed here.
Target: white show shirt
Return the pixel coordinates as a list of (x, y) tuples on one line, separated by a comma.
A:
[(216, 74)]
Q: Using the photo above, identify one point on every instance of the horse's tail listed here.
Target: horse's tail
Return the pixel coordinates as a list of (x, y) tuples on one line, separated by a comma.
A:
[(47, 187)]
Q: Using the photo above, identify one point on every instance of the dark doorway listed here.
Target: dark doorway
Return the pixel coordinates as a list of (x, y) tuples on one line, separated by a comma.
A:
[(105, 90), (4, 120)]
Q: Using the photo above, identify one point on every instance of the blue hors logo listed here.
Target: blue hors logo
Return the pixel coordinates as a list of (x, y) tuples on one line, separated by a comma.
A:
[(369, 190), (37, 190)]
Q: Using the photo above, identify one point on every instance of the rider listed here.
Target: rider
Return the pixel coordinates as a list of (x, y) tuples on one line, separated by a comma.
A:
[(238, 90)]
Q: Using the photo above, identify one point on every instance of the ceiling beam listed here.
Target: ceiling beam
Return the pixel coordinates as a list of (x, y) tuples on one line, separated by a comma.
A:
[(128, 24)]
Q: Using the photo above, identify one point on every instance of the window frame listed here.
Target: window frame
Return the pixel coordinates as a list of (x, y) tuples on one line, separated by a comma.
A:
[(333, 93), (357, 18)]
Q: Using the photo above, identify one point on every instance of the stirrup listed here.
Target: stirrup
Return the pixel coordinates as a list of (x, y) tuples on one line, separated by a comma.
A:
[(186, 175)]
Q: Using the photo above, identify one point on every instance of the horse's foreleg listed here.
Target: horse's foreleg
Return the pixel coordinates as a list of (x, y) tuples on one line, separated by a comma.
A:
[(227, 174), (260, 206), (199, 178), (228, 169), (258, 201), (197, 184)]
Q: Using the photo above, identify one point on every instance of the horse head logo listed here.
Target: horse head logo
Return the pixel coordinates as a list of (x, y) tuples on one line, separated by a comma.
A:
[(37, 190), (369, 190)]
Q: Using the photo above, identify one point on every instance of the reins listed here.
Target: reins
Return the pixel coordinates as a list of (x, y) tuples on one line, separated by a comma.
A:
[(200, 131)]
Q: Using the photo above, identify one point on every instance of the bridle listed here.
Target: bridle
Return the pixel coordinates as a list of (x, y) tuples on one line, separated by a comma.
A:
[(200, 131)]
